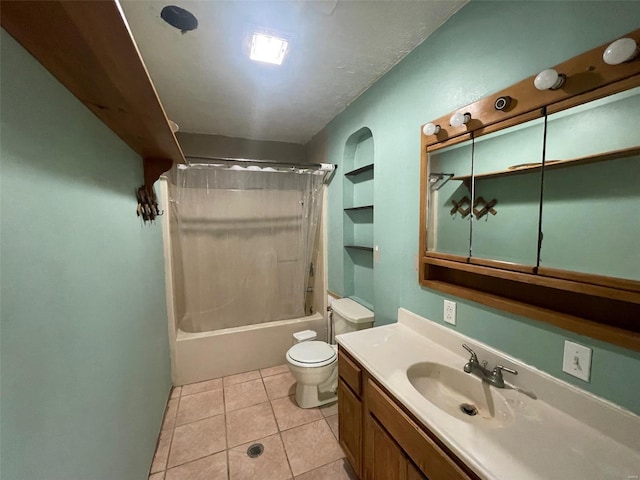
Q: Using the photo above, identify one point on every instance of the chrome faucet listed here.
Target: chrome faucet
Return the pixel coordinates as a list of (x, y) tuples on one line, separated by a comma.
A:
[(493, 377)]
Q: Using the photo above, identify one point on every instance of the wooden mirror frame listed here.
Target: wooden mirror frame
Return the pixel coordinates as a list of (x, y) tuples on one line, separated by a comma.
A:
[(601, 307)]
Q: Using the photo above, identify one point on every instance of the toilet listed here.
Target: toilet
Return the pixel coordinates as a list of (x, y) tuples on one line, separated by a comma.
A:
[(314, 364)]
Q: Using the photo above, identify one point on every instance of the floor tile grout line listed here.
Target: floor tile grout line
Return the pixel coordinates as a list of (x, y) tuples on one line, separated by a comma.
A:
[(155, 451), (273, 374), (222, 381), (279, 433), (191, 460), (245, 381), (268, 435), (286, 454), (306, 422), (320, 466), (175, 423), (199, 419), (226, 430), (325, 464), (332, 432), (199, 393), (173, 430)]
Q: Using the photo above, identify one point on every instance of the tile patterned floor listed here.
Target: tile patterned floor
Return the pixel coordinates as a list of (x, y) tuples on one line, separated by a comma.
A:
[(209, 426)]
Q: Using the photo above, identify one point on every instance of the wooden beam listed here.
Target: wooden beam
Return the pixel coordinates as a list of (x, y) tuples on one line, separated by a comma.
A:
[(89, 48)]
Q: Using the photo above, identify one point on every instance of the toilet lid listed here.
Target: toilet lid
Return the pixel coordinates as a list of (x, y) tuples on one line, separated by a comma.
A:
[(312, 352)]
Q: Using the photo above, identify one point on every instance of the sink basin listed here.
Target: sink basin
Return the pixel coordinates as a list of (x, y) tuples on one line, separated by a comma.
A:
[(460, 394)]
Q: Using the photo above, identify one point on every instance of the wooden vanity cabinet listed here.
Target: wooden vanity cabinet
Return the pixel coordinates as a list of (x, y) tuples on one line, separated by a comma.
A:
[(381, 440), (413, 473), (350, 421), (387, 460)]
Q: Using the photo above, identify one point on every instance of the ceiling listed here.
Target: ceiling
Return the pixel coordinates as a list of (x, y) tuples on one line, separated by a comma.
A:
[(208, 84)]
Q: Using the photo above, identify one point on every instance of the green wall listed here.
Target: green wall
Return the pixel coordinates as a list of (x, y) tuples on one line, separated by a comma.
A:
[(485, 47), (84, 348)]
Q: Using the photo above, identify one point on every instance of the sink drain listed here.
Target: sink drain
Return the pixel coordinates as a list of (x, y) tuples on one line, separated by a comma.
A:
[(468, 409), (255, 450)]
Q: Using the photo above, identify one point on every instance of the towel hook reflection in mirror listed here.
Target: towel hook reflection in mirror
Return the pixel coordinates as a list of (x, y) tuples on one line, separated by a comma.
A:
[(437, 180)]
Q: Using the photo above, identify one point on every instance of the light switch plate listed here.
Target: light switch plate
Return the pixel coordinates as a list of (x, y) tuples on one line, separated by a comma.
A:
[(577, 360), (450, 312)]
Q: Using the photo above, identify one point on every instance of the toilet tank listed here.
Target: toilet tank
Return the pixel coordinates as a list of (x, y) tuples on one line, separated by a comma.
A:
[(349, 316)]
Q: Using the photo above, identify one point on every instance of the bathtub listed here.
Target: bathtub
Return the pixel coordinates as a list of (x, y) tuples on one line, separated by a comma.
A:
[(207, 355)]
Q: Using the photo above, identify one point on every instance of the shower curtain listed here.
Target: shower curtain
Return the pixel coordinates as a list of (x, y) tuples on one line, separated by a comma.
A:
[(246, 238)]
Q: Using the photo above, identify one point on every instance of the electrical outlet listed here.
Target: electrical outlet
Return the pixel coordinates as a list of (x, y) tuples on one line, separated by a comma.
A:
[(577, 360), (450, 312)]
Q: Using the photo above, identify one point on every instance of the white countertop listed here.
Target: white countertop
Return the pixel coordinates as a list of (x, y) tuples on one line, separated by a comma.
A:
[(563, 433)]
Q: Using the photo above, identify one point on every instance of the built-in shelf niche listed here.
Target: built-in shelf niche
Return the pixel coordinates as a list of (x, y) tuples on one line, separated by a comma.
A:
[(360, 247), (361, 170), (358, 217), (363, 207)]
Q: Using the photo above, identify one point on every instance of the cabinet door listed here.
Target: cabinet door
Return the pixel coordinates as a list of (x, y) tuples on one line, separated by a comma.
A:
[(384, 460), (413, 473), (350, 426), (417, 445)]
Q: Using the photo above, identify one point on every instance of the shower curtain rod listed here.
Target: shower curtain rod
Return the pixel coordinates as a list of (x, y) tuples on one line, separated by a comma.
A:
[(328, 168), (275, 163)]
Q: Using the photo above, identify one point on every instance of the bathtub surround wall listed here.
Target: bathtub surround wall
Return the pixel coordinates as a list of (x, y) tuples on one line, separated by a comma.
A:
[(485, 47), (84, 351)]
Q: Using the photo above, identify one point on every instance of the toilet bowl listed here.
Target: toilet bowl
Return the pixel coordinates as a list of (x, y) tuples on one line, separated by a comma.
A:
[(314, 364)]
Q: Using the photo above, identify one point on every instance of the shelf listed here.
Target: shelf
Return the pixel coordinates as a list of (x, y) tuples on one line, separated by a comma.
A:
[(556, 164), (88, 47), (360, 170), (359, 247), (363, 207)]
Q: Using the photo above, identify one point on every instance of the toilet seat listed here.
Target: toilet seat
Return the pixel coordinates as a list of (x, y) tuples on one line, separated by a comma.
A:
[(311, 354)]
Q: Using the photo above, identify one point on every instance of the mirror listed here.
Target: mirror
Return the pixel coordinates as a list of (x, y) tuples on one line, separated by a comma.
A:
[(553, 186), (589, 221), (590, 216), (507, 175), (449, 200)]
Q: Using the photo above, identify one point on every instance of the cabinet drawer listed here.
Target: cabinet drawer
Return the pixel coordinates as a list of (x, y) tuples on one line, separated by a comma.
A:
[(431, 459), (350, 372)]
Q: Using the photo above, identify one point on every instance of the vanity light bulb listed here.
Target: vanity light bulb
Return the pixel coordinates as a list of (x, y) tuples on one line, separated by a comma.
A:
[(621, 51), (430, 129), (549, 79), (458, 119)]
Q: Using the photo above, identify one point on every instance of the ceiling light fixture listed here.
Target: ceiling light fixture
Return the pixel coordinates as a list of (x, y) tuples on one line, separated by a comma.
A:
[(268, 49), (549, 79), (620, 51)]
